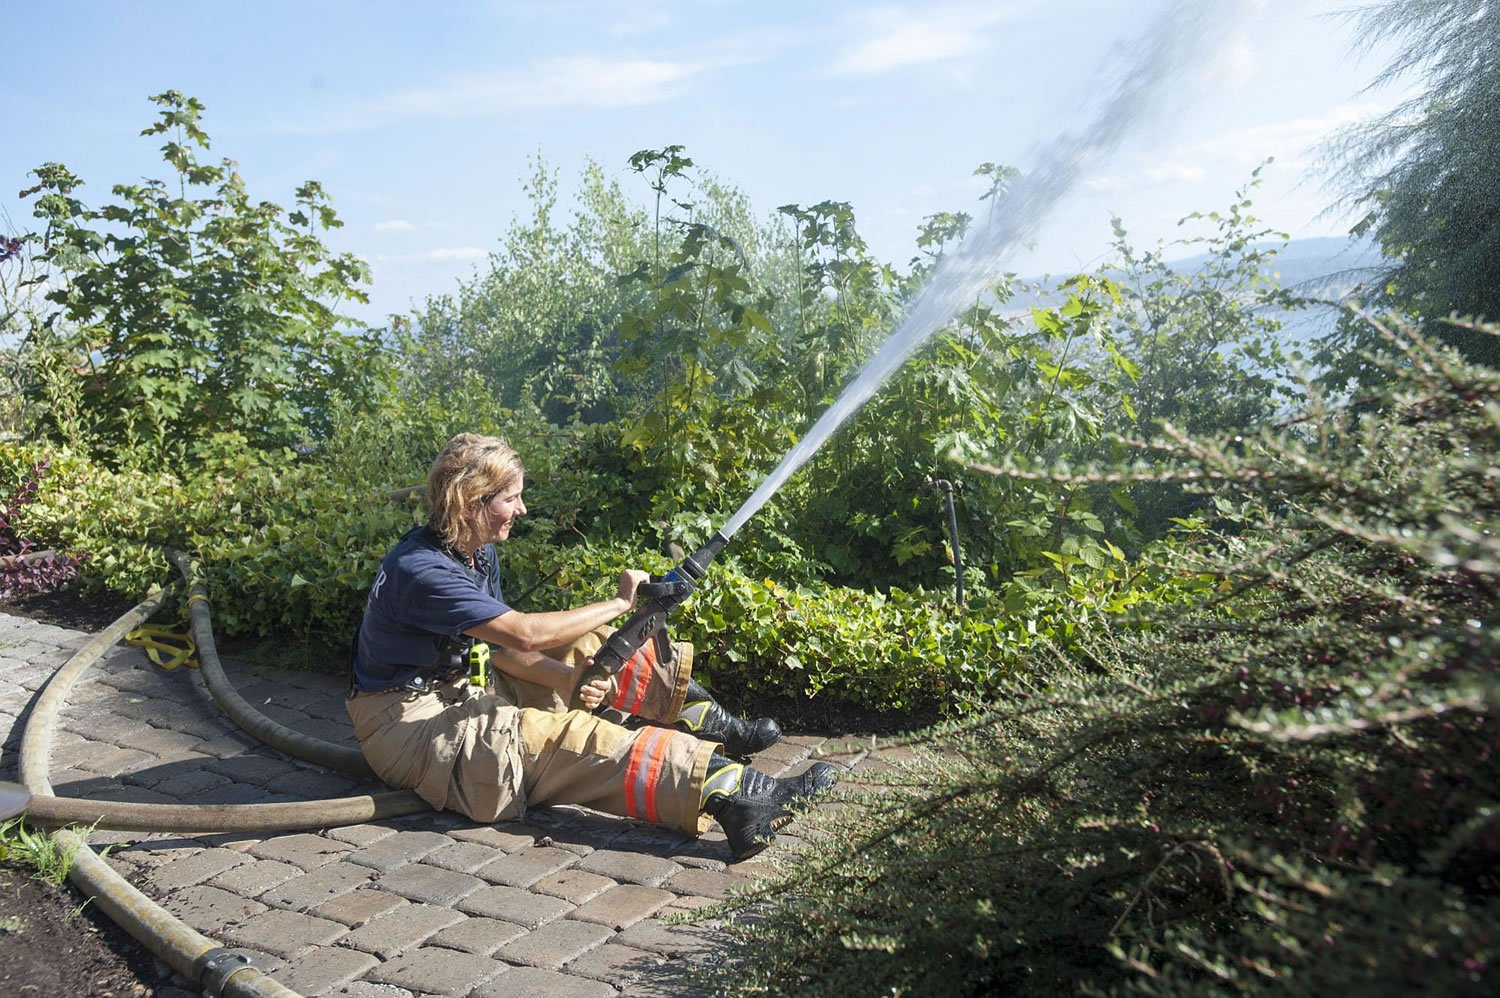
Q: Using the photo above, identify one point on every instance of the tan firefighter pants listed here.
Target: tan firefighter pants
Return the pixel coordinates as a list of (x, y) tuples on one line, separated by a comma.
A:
[(489, 754)]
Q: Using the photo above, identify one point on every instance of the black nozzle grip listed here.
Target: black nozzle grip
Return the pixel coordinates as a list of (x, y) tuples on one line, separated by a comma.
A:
[(664, 587)]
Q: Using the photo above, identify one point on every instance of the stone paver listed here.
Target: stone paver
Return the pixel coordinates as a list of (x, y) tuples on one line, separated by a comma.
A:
[(325, 969), (623, 905), (573, 886), (671, 940), (358, 906), (564, 904), (302, 850), (360, 836), (195, 868), (421, 882), (191, 781), (313, 889), (438, 971), (531, 982), (629, 867), (514, 904), (705, 883), (397, 850), (211, 910), (285, 933), (256, 770), (501, 838), (400, 930), (167, 745), (254, 877), (526, 866), (461, 857), (478, 935), (554, 944), (114, 761), (615, 962)]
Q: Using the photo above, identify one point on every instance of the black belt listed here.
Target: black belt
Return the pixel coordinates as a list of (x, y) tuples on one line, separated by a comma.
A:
[(420, 683), (428, 684)]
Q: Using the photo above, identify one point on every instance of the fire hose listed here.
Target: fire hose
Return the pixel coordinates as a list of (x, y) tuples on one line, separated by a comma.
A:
[(213, 969)]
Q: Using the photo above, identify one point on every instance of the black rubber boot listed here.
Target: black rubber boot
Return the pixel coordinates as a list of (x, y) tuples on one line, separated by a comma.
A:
[(751, 806), (704, 717)]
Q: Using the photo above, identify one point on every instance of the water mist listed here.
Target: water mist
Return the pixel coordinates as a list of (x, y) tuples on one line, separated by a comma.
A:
[(1184, 31)]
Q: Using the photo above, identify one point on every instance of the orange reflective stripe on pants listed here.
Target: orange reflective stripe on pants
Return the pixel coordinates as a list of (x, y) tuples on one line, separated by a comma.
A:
[(643, 771), (653, 774), (635, 679), (645, 686)]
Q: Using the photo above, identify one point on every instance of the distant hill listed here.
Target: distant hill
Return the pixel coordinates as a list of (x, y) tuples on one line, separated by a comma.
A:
[(1327, 268)]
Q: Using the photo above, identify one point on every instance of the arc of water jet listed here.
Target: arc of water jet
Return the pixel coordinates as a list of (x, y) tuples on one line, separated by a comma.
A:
[(1179, 34)]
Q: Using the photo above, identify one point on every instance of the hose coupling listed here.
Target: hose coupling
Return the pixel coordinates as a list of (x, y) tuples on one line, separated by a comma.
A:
[(216, 966)]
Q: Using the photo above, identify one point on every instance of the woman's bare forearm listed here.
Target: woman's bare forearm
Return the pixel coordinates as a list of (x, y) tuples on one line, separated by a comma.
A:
[(529, 632), (537, 668)]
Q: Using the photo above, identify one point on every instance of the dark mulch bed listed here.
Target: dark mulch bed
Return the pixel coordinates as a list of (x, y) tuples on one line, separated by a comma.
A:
[(68, 608), (49, 947)]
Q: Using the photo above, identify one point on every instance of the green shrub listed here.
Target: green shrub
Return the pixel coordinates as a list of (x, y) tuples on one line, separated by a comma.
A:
[(184, 306), (288, 549), (899, 649), (282, 551), (1288, 789)]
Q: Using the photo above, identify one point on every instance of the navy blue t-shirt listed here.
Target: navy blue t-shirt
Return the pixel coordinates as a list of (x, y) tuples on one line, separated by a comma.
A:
[(422, 595)]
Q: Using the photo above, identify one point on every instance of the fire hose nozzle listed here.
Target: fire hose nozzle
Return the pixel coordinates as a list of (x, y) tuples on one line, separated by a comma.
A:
[(661, 597)]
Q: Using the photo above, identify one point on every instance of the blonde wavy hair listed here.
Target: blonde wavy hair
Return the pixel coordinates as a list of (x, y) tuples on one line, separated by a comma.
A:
[(469, 471)]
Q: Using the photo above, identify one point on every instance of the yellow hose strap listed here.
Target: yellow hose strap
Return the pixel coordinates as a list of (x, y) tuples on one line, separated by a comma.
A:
[(165, 646)]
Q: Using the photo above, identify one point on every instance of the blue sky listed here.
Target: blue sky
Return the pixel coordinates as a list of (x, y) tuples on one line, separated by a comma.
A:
[(419, 119)]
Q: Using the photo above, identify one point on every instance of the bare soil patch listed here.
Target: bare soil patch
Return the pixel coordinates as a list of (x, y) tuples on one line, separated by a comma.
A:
[(52, 943)]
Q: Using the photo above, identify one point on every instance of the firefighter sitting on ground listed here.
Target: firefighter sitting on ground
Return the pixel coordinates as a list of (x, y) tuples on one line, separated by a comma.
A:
[(647, 742)]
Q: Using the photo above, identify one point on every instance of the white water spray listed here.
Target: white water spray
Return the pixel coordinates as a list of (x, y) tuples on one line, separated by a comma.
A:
[(1180, 33)]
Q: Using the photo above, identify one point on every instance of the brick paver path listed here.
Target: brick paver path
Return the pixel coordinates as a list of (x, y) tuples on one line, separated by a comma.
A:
[(568, 903)]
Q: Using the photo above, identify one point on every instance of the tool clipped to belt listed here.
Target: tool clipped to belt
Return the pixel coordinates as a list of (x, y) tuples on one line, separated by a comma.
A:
[(478, 658)]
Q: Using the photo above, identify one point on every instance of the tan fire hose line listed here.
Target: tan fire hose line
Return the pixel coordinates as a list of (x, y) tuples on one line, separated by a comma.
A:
[(213, 969)]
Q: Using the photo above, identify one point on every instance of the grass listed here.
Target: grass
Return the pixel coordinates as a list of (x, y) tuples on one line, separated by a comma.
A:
[(37, 849)]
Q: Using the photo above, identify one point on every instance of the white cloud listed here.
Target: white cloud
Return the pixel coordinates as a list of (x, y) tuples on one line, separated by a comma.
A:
[(1290, 141), (894, 38), (394, 225), (1148, 175), (1237, 63), (456, 253), (445, 254), (916, 43), (1108, 184), (638, 18), (570, 81), (550, 83), (1175, 173)]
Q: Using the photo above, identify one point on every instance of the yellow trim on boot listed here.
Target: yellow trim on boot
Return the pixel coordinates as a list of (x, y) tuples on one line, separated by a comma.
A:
[(694, 714), (721, 783)]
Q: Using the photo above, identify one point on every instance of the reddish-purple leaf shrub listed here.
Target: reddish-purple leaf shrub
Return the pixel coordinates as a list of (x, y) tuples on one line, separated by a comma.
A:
[(24, 567)]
